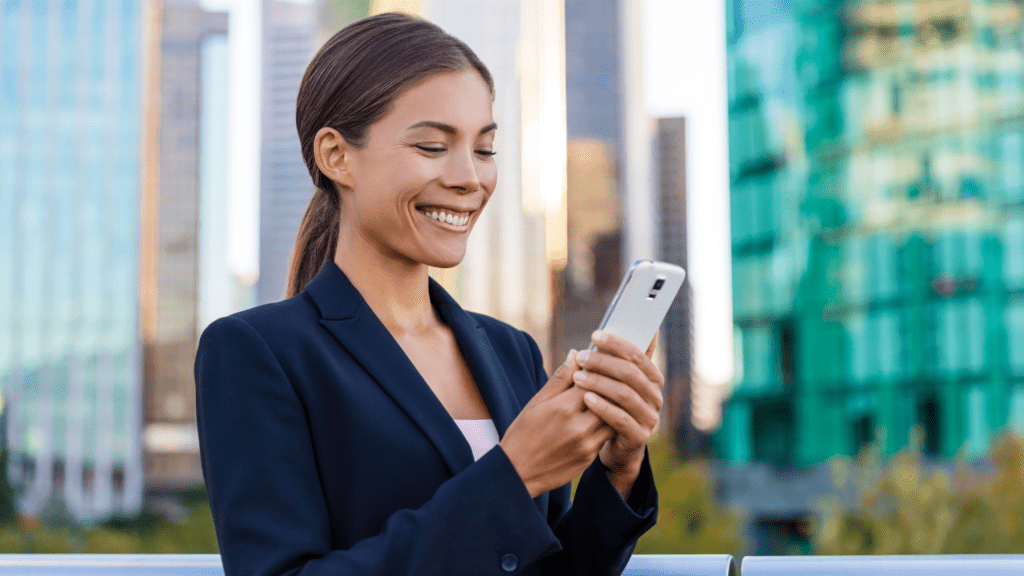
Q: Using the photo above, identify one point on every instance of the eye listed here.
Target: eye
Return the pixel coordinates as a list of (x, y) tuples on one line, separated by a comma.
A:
[(433, 149), (487, 153)]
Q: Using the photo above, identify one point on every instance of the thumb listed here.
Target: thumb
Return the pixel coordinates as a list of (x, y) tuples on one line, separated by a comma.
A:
[(561, 379)]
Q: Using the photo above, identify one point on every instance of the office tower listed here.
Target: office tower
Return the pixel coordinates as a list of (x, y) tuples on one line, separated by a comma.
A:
[(172, 332), (877, 233), (71, 119), (594, 176), (290, 38), (682, 392), (592, 87), (285, 186)]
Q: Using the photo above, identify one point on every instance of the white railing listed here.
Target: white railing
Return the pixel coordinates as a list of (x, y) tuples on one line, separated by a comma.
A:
[(639, 565)]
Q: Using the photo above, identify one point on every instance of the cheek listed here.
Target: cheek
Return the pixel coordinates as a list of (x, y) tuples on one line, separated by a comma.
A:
[(489, 176)]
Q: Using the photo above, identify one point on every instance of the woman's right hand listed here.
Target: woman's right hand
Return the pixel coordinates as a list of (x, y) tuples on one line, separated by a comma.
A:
[(554, 438)]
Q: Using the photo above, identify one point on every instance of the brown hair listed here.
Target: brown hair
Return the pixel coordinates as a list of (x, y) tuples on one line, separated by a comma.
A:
[(350, 84)]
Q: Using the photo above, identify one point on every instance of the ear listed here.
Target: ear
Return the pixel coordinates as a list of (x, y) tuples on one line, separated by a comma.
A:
[(334, 157)]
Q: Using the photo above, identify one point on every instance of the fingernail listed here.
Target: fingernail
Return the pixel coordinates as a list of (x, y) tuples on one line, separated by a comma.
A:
[(590, 398), (579, 376), (599, 336), (582, 357), (568, 359)]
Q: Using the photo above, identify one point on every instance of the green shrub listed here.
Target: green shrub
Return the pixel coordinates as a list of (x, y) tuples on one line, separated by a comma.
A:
[(145, 534), (690, 520), (903, 509)]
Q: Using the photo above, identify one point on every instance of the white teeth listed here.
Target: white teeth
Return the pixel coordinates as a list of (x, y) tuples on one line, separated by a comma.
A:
[(448, 218)]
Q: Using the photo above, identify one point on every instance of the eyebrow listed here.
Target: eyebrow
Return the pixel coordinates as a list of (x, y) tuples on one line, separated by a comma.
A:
[(448, 128)]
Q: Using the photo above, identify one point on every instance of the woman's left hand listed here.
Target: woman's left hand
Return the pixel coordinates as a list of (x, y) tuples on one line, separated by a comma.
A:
[(627, 389)]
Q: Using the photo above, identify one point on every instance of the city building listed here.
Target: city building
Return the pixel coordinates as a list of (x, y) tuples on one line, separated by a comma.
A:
[(72, 77), (174, 291), (877, 196), (290, 39), (292, 32), (682, 388), (594, 94)]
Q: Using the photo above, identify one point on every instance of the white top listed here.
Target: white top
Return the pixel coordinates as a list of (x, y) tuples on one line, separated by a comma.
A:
[(481, 434)]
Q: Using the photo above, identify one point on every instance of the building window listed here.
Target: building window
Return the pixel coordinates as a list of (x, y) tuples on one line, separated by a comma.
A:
[(58, 472), (862, 433), (88, 477), (117, 479), (772, 425), (787, 353), (28, 470), (928, 418)]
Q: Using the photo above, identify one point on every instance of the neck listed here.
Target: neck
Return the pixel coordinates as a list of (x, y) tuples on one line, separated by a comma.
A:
[(396, 289)]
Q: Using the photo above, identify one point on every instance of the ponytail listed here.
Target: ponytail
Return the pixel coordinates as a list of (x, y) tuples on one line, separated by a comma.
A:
[(317, 239)]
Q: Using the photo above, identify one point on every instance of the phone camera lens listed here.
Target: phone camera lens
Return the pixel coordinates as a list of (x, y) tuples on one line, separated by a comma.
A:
[(659, 283)]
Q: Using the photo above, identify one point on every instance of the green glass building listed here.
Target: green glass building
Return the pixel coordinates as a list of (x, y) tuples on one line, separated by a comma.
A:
[(877, 199)]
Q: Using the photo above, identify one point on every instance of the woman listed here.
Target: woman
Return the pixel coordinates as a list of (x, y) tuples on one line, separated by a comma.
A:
[(354, 427)]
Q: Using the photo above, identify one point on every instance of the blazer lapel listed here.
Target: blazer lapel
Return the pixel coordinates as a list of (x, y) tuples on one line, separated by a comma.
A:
[(351, 321), (483, 363)]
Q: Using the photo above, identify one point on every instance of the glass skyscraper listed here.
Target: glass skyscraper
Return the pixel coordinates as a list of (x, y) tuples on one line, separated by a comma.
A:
[(877, 198), (70, 124)]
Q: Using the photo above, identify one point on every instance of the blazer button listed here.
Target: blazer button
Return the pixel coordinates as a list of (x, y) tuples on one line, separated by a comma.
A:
[(509, 562)]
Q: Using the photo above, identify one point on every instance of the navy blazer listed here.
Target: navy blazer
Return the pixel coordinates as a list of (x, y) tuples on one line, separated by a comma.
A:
[(325, 452)]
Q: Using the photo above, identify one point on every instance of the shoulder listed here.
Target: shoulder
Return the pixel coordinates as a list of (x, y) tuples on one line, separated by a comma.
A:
[(276, 321)]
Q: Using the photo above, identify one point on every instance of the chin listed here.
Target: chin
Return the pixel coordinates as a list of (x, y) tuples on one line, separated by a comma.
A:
[(445, 260)]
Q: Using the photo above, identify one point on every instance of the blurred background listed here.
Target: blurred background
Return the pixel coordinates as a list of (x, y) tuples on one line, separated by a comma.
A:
[(842, 180)]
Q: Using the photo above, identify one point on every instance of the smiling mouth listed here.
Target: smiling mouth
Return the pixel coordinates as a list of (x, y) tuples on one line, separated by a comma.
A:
[(447, 218)]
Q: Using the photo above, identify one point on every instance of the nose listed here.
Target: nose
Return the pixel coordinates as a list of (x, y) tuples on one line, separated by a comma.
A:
[(461, 172)]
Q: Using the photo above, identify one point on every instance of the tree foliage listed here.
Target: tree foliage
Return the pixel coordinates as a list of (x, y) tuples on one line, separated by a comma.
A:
[(690, 519), (906, 509), (142, 535)]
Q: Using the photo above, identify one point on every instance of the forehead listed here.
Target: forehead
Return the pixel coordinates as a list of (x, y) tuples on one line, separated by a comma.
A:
[(461, 99)]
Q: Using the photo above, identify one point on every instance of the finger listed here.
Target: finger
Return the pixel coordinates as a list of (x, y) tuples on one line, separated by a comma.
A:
[(623, 371), (616, 346), (620, 394), (654, 344), (561, 379), (631, 433)]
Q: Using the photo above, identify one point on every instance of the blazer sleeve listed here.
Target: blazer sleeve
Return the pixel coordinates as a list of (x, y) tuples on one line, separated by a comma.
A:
[(268, 505), (599, 529)]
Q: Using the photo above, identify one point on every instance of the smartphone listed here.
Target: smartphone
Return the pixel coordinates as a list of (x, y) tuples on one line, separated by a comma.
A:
[(642, 301)]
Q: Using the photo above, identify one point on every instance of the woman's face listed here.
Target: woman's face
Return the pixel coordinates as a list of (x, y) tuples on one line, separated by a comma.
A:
[(427, 170)]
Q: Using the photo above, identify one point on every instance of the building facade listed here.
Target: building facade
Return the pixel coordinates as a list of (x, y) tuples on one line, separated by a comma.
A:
[(682, 405), (877, 200), (593, 78), (70, 356), (169, 415)]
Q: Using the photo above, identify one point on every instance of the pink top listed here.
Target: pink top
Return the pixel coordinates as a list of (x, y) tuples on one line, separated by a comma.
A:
[(481, 434)]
